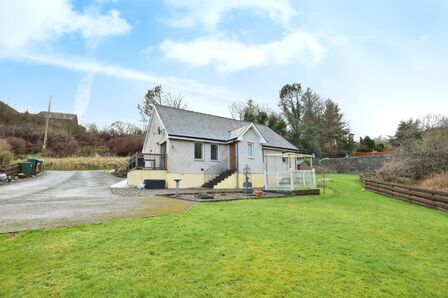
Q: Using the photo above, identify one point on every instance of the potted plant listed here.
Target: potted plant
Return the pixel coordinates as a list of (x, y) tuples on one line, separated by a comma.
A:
[(258, 193)]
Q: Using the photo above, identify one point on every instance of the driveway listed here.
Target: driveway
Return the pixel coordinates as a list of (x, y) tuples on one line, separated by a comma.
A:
[(62, 198)]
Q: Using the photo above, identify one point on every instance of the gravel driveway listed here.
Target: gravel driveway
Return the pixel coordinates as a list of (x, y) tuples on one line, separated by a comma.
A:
[(61, 198)]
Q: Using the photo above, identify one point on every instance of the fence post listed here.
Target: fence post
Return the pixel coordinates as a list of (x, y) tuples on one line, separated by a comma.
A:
[(291, 177)]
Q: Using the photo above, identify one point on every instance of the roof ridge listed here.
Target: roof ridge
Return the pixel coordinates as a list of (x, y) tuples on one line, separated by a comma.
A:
[(202, 113)]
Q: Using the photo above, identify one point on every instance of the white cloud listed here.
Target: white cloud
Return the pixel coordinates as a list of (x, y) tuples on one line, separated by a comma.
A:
[(83, 94), (178, 84), (208, 13), (23, 22), (231, 55)]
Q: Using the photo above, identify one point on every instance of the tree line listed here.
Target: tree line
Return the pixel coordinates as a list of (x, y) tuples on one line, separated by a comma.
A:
[(313, 124)]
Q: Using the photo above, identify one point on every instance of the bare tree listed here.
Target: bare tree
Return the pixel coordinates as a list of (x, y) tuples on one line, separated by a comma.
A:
[(237, 109), (157, 96), (424, 156), (174, 100)]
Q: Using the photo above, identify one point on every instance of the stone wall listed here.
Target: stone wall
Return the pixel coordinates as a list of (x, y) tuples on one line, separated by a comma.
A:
[(354, 165)]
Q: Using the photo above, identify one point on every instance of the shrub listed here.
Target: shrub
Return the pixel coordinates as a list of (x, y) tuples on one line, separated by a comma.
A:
[(64, 149), (379, 147), (103, 151), (87, 151), (420, 157), (392, 171), (126, 145), (6, 157), (4, 145), (436, 181), (18, 145)]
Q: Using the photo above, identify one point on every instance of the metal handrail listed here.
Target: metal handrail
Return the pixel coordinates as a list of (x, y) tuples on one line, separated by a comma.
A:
[(215, 170), (150, 161)]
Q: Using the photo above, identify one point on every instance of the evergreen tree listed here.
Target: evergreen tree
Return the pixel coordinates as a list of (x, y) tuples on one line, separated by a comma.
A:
[(291, 107)]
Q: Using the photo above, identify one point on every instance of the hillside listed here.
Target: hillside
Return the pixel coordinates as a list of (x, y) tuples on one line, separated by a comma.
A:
[(30, 127), (25, 132)]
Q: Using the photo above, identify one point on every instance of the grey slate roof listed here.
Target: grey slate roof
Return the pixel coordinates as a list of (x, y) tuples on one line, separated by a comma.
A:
[(183, 123)]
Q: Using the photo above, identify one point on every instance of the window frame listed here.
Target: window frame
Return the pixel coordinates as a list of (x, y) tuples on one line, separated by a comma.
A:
[(250, 153), (218, 152), (284, 159), (202, 151)]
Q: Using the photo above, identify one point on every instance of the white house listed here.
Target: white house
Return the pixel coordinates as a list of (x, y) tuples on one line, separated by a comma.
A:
[(204, 150)]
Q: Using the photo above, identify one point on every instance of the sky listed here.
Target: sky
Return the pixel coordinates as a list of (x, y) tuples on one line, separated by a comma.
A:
[(381, 61)]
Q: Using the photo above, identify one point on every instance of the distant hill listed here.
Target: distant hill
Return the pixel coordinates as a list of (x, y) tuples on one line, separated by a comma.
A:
[(5, 109), (25, 133), (31, 127), (10, 115)]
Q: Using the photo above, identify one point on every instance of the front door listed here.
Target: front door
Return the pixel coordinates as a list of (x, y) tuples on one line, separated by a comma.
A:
[(163, 156), (232, 152)]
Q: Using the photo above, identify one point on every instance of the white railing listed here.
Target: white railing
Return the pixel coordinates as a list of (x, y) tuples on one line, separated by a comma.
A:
[(290, 180)]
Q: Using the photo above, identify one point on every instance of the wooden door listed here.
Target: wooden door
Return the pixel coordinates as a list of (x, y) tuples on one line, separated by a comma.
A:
[(232, 153), (163, 156)]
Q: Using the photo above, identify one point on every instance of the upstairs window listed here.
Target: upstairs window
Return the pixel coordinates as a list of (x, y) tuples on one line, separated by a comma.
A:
[(199, 151), (250, 150), (214, 152)]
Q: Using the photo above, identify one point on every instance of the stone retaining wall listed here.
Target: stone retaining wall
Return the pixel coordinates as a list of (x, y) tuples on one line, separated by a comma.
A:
[(354, 165)]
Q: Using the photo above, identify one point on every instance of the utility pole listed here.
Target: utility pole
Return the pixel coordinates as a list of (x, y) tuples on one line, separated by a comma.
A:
[(46, 125)]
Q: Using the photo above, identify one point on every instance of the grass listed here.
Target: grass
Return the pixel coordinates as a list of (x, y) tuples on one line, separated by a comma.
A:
[(437, 181), (345, 243), (85, 163)]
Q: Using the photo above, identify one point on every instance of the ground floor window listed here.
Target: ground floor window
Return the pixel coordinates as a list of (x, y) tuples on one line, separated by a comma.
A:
[(214, 152), (199, 151)]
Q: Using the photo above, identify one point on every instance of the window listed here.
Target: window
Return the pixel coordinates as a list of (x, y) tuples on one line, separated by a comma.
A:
[(250, 150), (198, 151), (284, 159), (214, 152)]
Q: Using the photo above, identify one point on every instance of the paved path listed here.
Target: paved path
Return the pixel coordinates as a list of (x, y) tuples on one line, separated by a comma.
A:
[(61, 198)]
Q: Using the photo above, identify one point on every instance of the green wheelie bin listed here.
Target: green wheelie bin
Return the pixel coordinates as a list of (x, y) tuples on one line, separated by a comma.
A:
[(26, 168), (33, 162)]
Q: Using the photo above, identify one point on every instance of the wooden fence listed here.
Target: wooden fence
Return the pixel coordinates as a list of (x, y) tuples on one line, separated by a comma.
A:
[(417, 195), (10, 170)]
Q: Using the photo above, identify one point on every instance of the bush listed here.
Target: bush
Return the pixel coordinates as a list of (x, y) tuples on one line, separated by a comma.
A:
[(87, 151), (392, 171), (64, 149), (420, 157), (126, 145), (436, 181), (103, 151), (18, 145), (6, 157), (4, 145), (379, 147)]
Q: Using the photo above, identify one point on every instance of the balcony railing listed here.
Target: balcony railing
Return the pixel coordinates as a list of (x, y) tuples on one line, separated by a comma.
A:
[(150, 161)]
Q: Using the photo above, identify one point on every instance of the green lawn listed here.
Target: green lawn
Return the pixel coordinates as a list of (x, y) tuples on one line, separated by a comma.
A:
[(344, 243)]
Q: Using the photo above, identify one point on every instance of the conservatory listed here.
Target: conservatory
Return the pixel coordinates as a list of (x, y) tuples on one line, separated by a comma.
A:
[(289, 172)]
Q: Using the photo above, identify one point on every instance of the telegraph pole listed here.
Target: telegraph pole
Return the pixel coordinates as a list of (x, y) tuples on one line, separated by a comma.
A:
[(47, 122)]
